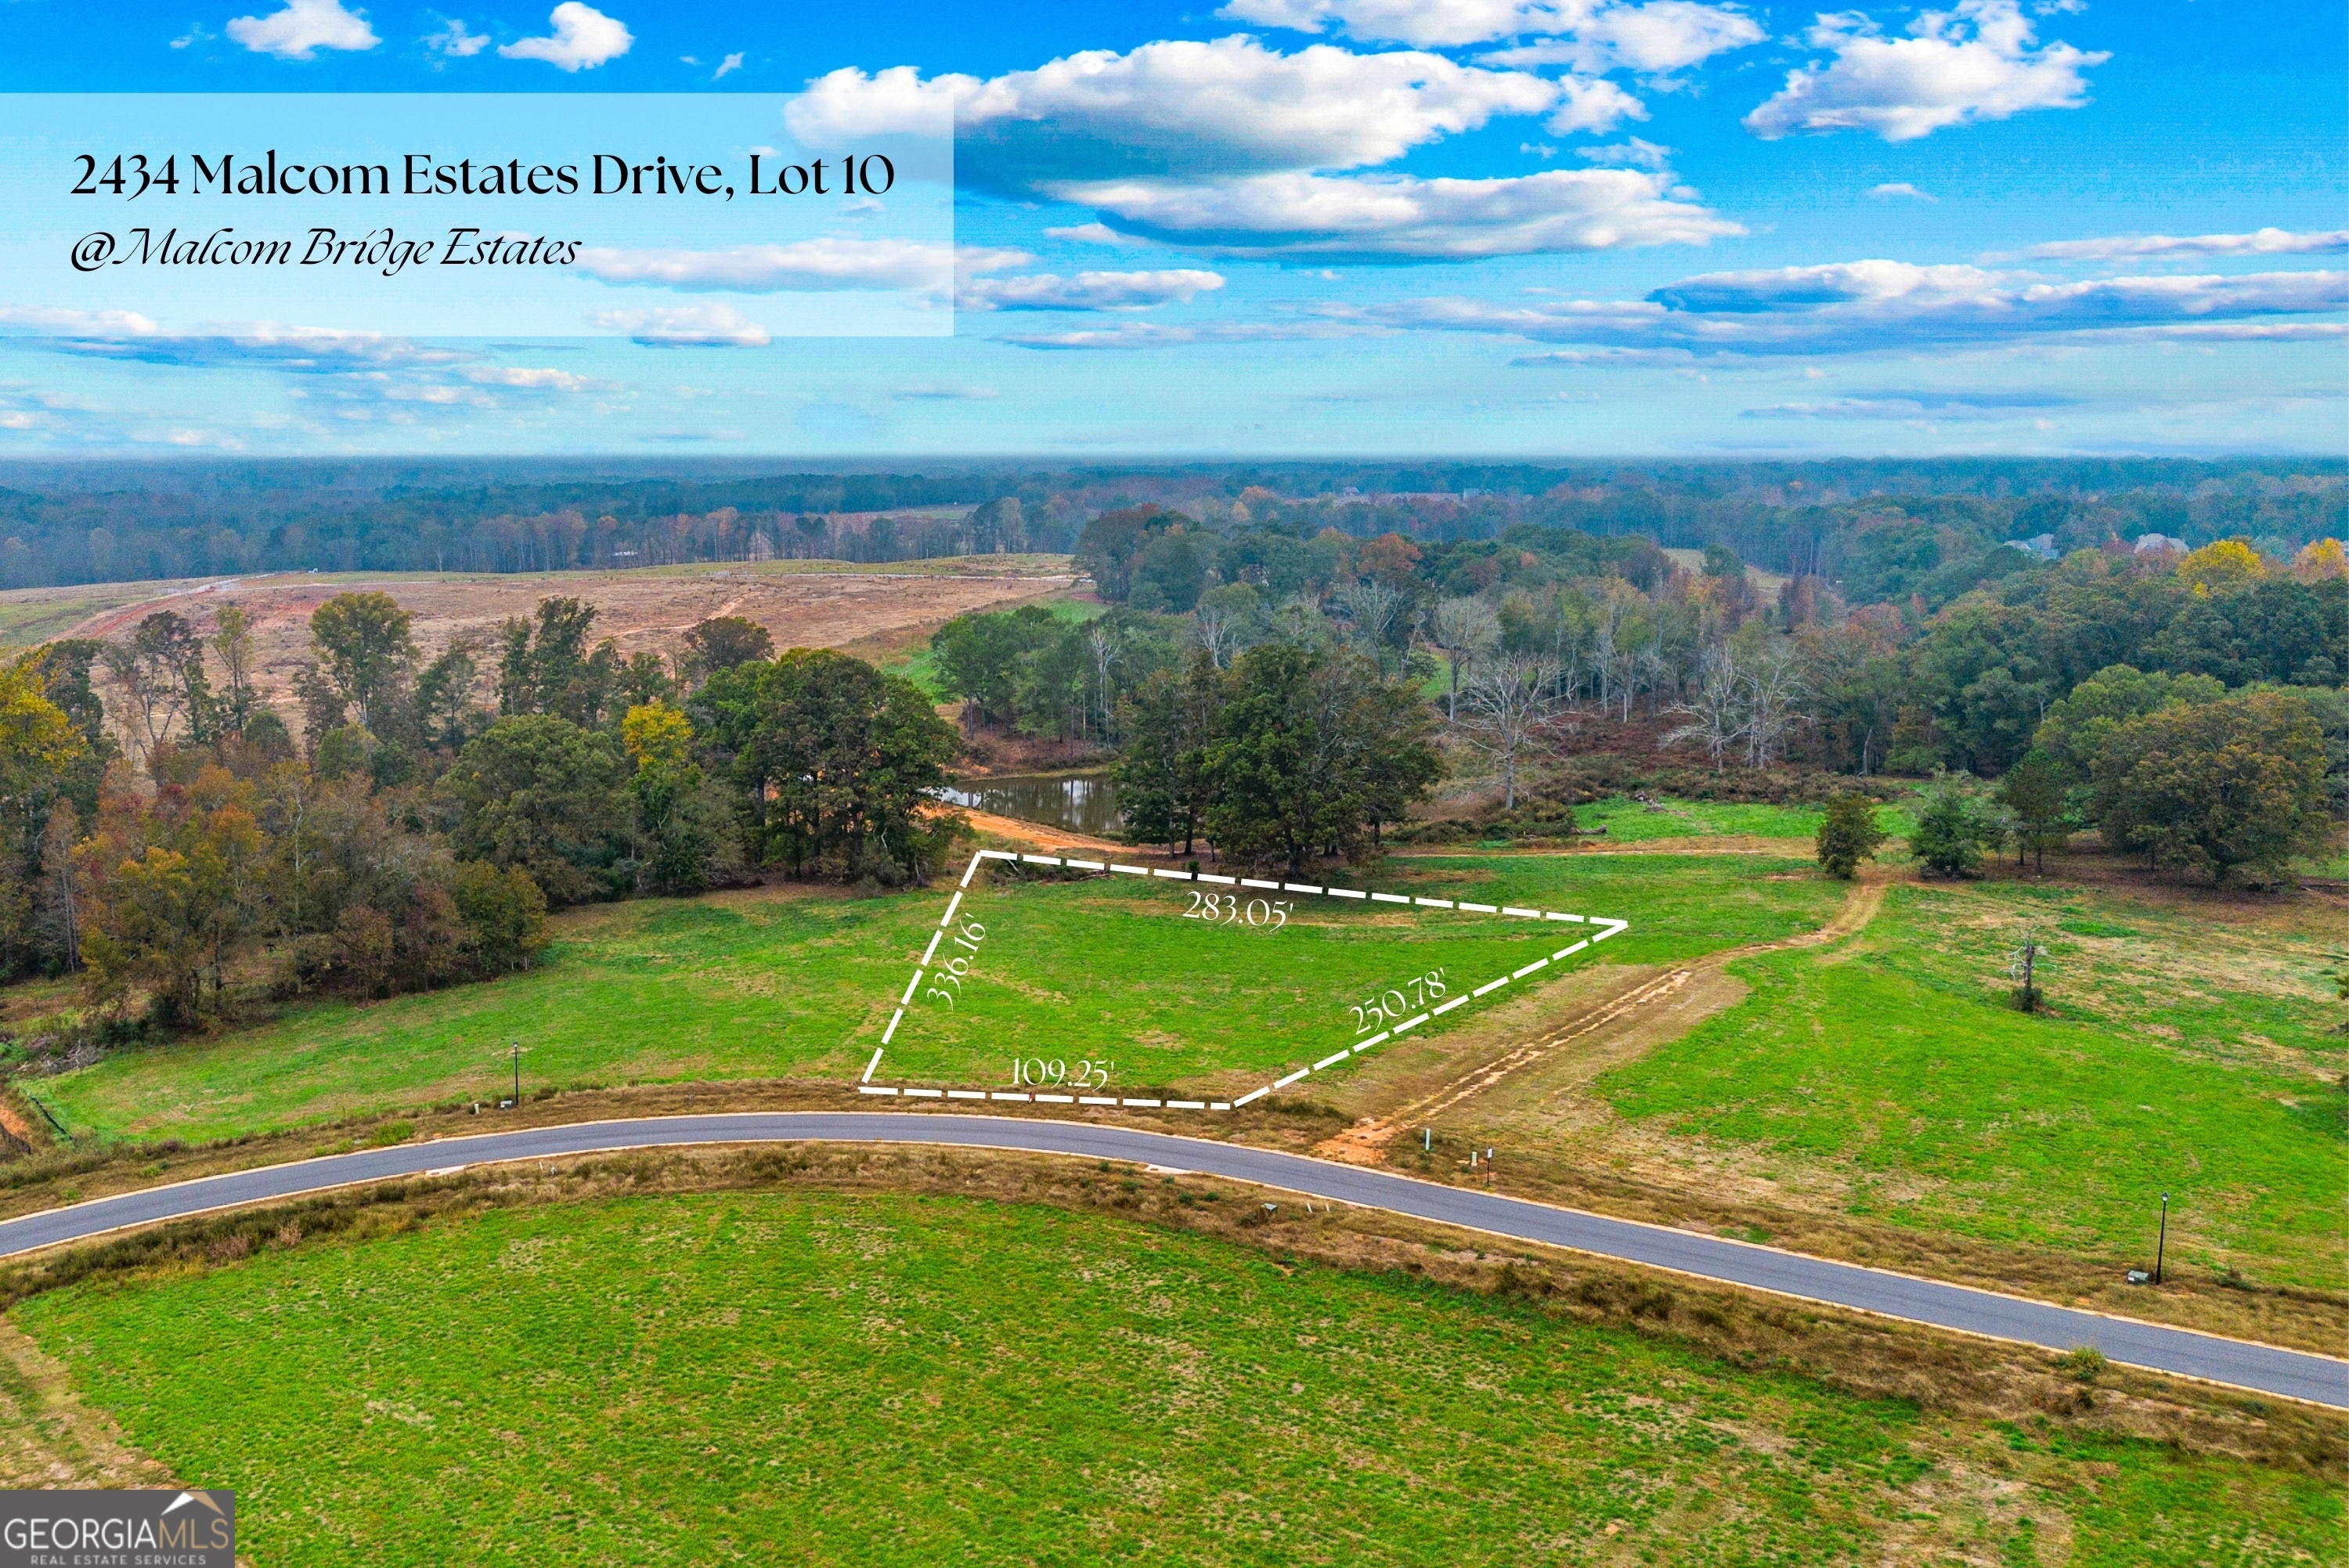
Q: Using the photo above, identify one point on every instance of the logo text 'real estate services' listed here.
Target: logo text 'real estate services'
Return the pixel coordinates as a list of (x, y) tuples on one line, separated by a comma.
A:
[(117, 1530)]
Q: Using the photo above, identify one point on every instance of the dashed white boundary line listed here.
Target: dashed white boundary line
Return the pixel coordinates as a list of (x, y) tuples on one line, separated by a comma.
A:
[(1611, 927)]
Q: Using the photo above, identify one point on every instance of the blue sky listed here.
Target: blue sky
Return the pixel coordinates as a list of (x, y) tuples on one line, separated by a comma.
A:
[(1322, 227)]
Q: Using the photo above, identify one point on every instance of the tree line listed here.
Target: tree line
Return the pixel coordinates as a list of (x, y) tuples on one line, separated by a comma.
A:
[(435, 809), (1880, 529), (1546, 643), (2231, 786)]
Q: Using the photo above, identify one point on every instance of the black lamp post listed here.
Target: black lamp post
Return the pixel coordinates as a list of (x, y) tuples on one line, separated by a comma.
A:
[(2162, 1245)]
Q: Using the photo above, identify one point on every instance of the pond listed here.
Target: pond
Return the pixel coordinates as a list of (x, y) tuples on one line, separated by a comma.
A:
[(1073, 805)]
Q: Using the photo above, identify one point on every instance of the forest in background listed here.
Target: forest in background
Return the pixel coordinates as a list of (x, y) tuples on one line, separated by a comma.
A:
[(116, 521)]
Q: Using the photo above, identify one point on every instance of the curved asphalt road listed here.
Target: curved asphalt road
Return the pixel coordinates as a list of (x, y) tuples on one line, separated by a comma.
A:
[(2267, 1369)]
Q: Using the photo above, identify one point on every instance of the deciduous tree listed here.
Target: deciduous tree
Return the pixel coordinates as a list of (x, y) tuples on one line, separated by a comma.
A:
[(838, 765), (2234, 788), (539, 792), (364, 648)]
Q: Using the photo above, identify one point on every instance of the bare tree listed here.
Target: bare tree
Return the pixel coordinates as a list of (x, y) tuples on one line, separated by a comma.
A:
[(1771, 679), (1299, 620), (60, 907), (233, 641), (1371, 607), (1463, 626), (1213, 631), (1614, 652), (1511, 701), (1107, 651), (1715, 710)]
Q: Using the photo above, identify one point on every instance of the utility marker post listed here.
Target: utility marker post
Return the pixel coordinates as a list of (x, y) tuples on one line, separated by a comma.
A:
[(2163, 1244), (514, 1049)]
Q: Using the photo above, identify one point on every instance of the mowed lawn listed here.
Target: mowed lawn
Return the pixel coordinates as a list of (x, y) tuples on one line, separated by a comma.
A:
[(783, 983), (814, 1378), (2180, 1052), (1630, 821)]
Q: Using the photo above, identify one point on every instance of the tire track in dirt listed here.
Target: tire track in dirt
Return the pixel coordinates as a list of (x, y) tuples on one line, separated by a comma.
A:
[(1693, 991)]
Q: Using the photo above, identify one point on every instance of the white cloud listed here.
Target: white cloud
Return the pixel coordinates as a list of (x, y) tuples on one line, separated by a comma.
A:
[(1431, 24), (1591, 104), (1087, 291), (455, 41), (1632, 153), (928, 392), (1653, 40), (1976, 61), (848, 105), (1157, 334), (1877, 305), (802, 266), (1589, 35), (686, 326), (46, 319), (730, 63), (278, 345), (583, 37), (1094, 234), (1408, 217), (1233, 148), (1910, 405), (2138, 247), (532, 378), (1227, 106), (1899, 188), (303, 28)]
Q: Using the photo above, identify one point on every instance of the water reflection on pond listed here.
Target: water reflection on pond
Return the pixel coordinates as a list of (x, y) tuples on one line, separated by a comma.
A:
[(1073, 805)]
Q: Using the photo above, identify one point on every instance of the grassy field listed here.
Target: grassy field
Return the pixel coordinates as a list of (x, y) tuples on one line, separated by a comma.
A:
[(30, 617), (2180, 1051), (781, 983), (807, 1377), (1630, 821)]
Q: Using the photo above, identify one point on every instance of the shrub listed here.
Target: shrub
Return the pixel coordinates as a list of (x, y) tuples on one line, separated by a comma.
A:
[(504, 914), (1954, 827), (1848, 835), (2084, 1362)]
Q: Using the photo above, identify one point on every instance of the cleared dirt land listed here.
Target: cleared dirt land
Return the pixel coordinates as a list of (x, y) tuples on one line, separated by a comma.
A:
[(874, 611)]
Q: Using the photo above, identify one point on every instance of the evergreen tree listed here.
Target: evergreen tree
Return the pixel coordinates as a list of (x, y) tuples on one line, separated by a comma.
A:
[(1848, 835)]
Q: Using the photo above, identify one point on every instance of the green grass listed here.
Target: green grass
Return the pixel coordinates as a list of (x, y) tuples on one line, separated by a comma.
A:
[(42, 615), (2179, 1054), (921, 668), (1630, 821), (787, 983), (811, 1377), (1112, 969)]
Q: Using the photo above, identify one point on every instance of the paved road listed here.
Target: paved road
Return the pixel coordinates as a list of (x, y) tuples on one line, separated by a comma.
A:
[(2262, 1368)]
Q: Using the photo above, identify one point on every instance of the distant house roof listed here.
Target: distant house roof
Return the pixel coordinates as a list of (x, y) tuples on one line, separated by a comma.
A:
[(2148, 544), (2041, 546)]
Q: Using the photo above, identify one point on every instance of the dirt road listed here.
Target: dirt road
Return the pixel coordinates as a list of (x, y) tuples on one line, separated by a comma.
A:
[(1614, 1027)]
